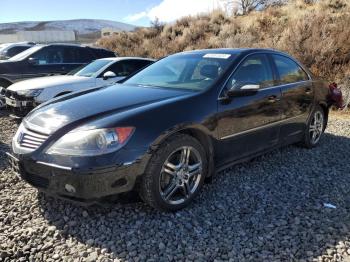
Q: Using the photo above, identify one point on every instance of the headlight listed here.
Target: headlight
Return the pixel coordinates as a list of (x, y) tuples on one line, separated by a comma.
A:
[(91, 142), (30, 92)]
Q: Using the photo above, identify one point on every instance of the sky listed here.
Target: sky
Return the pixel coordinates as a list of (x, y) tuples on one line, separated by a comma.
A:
[(136, 12)]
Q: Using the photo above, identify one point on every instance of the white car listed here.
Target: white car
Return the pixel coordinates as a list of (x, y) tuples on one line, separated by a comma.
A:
[(25, 95), (11, 49)]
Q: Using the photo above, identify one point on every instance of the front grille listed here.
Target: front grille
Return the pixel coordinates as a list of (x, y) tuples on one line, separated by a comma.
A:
[(37, 181), (31, 139), (13, 95)]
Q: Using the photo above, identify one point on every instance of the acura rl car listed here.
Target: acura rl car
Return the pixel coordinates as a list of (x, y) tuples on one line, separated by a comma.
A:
[(25, 95), (170, 126)]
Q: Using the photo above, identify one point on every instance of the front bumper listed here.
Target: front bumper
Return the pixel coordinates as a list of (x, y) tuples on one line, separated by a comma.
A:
[(21, 104), (85, 186)]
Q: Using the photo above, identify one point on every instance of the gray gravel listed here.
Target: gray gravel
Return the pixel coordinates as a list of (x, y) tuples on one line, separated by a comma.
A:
[(270, 209)]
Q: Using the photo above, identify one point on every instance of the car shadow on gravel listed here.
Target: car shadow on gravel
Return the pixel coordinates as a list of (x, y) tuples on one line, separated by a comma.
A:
[(269, 209)]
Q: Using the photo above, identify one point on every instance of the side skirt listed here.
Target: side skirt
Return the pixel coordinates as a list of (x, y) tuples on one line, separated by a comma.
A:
[(247, 158)]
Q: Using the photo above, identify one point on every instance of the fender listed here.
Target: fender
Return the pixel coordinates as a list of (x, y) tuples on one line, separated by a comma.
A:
[(200, 132)]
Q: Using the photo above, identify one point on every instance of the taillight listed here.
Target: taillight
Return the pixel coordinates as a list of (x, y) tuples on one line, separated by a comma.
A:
[(335, 95)]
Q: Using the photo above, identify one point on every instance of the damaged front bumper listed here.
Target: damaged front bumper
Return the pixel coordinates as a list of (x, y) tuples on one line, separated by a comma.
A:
[(20, 104)]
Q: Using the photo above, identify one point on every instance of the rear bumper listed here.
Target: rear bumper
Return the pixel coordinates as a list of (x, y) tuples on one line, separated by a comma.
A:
[(84, 186)]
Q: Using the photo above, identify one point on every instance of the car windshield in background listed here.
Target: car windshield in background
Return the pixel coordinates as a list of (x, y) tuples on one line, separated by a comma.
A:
[(186, 71), (76, 70), (25, 53), (3, 46), (92, 68)]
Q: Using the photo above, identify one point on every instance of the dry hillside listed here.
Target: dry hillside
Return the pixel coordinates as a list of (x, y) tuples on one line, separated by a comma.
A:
[(317, 34)]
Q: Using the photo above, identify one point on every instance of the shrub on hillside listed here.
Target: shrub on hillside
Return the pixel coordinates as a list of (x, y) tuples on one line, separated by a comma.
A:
[(316, 33)]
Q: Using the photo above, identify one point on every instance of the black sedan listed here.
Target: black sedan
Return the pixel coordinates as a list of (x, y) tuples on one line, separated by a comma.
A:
[(170, 126)]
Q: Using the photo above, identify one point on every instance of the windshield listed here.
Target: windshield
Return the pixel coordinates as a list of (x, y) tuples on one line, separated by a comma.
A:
[(185, 71), (75, 70), (3, 46), (26, 53), (92, 68)]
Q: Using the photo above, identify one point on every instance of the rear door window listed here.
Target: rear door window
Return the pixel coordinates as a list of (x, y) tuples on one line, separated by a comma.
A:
[(84, 55), (288, 70), (77, 55), (255, 69)]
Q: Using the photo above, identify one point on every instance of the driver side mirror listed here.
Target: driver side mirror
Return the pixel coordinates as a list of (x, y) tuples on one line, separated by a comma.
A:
[(243, 89), (108, 74), (33, 61)]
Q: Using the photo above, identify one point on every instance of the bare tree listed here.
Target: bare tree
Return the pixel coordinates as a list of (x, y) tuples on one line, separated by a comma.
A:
[(244, 6), (157, 24)]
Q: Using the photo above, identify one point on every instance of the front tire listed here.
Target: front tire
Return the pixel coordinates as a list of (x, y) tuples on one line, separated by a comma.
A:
[(175, 174), (314, 128)]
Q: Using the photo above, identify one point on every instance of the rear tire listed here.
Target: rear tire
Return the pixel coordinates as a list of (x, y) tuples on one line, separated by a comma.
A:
[(175, 174), (314, 128)]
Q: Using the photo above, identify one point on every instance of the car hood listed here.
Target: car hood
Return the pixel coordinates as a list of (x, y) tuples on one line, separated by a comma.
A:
[(50, 81), (94, 103)]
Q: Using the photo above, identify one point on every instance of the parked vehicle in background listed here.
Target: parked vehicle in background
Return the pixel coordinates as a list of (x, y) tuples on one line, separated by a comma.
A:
[(25, 95), (11, 49), (168, 127), (44, 60)]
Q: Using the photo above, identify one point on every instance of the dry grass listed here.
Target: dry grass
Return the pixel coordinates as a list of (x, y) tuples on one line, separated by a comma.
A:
[(317, 34)]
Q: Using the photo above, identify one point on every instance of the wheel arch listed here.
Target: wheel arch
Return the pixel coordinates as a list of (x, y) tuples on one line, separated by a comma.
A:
[(203, 138)]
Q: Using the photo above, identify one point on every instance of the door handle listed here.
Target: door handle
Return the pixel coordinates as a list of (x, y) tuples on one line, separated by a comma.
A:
[(272, 99)]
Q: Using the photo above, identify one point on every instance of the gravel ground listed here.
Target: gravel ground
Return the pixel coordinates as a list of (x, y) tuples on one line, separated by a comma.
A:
[(270, 209)]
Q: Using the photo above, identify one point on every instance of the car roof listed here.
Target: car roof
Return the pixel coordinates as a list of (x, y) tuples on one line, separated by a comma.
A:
[(74, 45), (119, 58), (10, 45), (233, 51)]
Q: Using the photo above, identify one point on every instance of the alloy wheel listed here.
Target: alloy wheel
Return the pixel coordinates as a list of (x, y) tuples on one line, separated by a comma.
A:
[(180, 175), (316, 127)]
